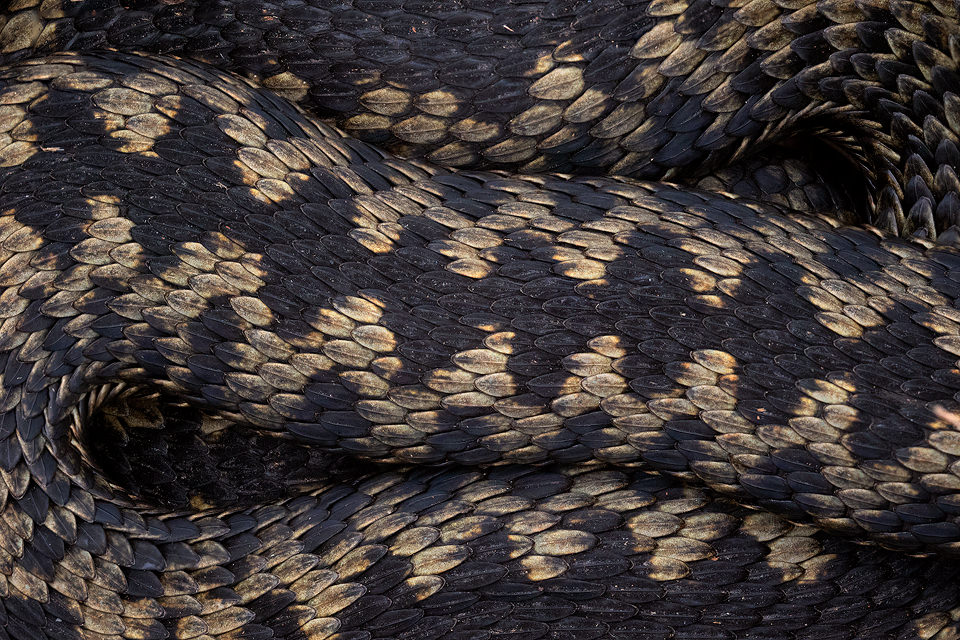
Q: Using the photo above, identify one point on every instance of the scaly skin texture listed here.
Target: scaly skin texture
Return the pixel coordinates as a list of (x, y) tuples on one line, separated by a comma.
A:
[(176, 230), (541, 85), (575, 348), (647, 89)]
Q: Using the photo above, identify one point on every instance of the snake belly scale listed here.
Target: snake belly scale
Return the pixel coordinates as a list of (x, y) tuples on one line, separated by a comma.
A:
[(490, 404)]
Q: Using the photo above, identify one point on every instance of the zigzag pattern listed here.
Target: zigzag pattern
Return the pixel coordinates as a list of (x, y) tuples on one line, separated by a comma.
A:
[(262, 379)]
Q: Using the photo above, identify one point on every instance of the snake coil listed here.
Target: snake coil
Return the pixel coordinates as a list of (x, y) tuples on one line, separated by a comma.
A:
[(679, 401)]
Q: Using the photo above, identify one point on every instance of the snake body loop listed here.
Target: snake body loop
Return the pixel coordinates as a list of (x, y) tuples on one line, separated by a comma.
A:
[(261, 379), (685, 90)]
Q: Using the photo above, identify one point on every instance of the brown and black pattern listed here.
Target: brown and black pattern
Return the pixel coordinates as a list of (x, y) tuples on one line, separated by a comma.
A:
[(263, 380), (856, 95)]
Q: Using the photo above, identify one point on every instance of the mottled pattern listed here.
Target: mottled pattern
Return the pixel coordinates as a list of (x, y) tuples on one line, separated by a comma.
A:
[(858, 95), (175, 230), (541, 84), (583, 407)]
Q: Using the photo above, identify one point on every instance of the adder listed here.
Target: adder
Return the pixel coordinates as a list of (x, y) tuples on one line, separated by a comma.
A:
[(600, 345)]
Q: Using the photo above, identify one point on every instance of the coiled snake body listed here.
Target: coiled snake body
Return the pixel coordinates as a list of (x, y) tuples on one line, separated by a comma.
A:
[(593, 407)]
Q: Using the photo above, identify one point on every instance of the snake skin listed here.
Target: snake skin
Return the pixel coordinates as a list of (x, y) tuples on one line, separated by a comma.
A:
[(651, 89), (573, 392)]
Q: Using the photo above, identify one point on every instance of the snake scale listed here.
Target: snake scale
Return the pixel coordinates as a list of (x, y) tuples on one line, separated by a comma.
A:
[(266, 379)]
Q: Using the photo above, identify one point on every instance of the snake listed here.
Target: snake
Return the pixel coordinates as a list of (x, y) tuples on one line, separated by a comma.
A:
[(552, 319)]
